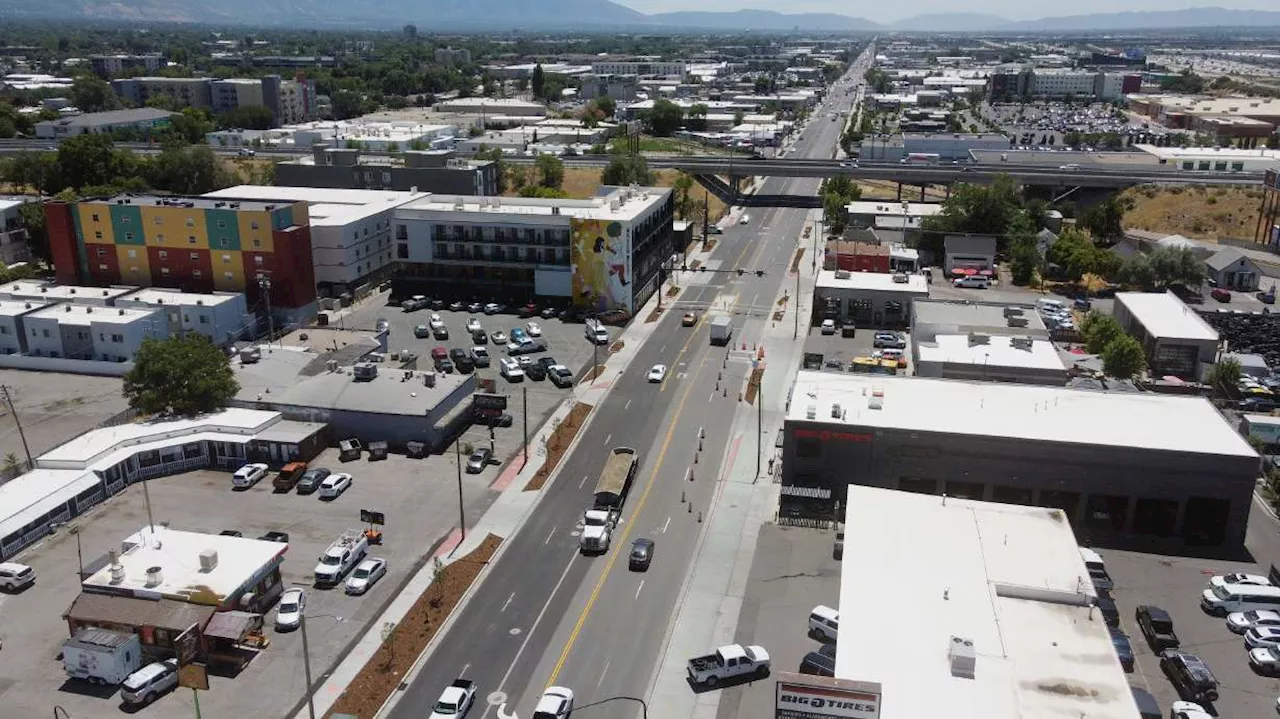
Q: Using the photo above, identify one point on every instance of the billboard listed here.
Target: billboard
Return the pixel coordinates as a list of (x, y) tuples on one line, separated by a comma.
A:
[(809, 697), (600, 255)]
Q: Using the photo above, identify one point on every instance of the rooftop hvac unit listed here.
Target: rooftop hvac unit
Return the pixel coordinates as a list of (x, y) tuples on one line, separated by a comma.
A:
[(976, 338), (900, 277), (811, 412), (835, 411), (842, 274), (1022, 343), (155, 576), (1018, 321), (1013, 312), (208, 560), (876, 400), (962, 657)]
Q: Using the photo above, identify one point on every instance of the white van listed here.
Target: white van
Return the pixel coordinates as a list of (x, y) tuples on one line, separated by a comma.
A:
[(1227, 598), (824, 623), (595, 332)]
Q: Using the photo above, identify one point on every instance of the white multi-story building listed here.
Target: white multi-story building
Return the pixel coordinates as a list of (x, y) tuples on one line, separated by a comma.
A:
[(12, 339), (13, 231), (41, 291), (107, 334), (350, 230), (643, 68), (602, 253), (223, 317)]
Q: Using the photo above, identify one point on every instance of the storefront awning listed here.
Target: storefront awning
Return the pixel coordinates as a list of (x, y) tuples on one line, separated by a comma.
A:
[(233, 625)]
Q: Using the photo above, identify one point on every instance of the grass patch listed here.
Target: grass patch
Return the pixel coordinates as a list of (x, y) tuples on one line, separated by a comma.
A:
[(387, 668), (795, 262), (1227, 212), (561, 437)]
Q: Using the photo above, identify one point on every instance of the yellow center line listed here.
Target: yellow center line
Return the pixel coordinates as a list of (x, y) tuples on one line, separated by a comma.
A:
[(644, 497)]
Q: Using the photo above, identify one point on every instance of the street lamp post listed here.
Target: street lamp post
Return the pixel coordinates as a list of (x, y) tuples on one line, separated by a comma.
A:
[(306, 657), (462, 516), (74, 529)]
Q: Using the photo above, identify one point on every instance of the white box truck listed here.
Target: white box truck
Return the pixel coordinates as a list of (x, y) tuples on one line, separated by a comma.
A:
[(721, 330), (101, 656)]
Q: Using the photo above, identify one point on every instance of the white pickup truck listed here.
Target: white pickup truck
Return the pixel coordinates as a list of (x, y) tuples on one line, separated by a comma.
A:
[(729, 662), (455, 700), (341, 556)]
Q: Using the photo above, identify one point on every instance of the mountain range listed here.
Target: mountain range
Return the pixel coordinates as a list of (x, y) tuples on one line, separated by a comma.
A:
[(451, 15)]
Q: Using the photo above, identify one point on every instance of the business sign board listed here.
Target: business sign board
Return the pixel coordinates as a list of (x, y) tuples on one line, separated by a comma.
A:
[(800, 696), (489, 401), (1272, 179)]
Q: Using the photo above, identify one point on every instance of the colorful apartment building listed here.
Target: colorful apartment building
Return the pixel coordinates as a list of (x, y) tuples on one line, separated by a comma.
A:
[(193, 244)]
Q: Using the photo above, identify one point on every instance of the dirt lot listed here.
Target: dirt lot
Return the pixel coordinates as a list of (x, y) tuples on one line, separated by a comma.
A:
[(54, 407), (1197, 212)]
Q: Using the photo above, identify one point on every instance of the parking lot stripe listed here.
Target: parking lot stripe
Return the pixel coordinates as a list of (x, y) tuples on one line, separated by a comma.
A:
[(627, 405), (639, 588)]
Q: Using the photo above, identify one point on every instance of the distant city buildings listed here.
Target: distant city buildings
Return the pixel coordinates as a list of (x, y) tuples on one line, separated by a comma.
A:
[(143, 120), (13, 231), (290, 101), (452, 56), (108, 65)]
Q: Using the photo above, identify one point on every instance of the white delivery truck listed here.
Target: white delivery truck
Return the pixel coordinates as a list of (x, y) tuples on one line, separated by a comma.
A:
[(721, 330), (341, 556), (101, 656), (611, 491)]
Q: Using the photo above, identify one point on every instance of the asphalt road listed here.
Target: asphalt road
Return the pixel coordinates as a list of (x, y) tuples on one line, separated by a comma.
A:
[(547, 614)]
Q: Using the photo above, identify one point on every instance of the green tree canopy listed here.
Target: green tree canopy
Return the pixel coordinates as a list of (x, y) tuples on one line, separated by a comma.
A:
[(1124, 358), (1104, 220), (607, 105), (539, 82), (1100, 331), (91, 93), (1226, 373), (697, 116), (1075, 255), (182, 376), (626, 170), (188, 170), (550, 170), (252, 117), (836, 193), (664, 119)]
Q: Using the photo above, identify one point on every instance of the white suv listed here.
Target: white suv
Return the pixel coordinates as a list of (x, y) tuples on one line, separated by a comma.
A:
[(14, 576), (511, 370), (149, 682)]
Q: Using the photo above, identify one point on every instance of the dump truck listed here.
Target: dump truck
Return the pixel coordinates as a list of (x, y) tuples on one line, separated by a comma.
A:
[(721, 330), (599, 521)]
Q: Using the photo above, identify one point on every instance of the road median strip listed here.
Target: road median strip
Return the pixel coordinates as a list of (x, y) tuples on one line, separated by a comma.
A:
[(558, 443)]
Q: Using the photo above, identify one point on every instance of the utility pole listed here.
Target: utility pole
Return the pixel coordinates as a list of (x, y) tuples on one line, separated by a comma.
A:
[(759, 421), (796, 334), (264, 284), (524, 397), (4, 389), (706, 217), (306, 664), (462, 517)]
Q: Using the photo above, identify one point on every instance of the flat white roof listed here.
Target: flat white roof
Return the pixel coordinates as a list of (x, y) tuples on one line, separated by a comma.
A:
[(328, 206), (165, 296), (1210, 153), (878, 281), (83, 450), (60, 293), (997, 351), (1166, 317), (177, 554), (1007, 578), (1144, 420), (11, 308), (897, 209), (1253, 418), (631, 204), (29, 496), (84, 314)]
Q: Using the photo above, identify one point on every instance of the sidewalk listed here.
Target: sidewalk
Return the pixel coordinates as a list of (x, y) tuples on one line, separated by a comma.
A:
[(711, 597), (503, 518)]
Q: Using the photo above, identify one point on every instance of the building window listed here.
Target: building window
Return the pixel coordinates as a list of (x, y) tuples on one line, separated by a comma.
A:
[(402, 251), (97, 235), (204, 320), (95, 217), (133, 253), (128, 236), (253, 225), (257, 259), (224, 243), (4, 330), (164, 271), (158, 221), (191, 222), (257, 242), (46, 333), (225, 259), (160, 238), (222, 225), (104, 268), (126, 220), (117, 338), (228, 275), (102, 252), (402, 232), (195, 256), (191, 239), (197, 274), (164, 254)]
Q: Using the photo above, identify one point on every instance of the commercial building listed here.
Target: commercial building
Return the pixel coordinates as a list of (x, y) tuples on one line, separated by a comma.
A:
[(144, 121), (1061, 84), (868, 299), (452, 56), (195, 244), (491, 106), (434, 171), (642, 67), (1002, 618), (969, 254), (1119, 465), (13, 230), (953, 146), (1176, 339), (223, 317), (351, 243), (620, 88), (855, 256), (989, 358), (289, 100), (1183, 111), (1263, 427), (1213, 159), (85, 332), (70, 479), (108, 65), (1230, 268), (932, 318), (372, 136), (603, 253), (865, 213)]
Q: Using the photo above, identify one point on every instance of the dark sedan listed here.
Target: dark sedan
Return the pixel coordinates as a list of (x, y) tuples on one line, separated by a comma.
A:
[(641, 554)]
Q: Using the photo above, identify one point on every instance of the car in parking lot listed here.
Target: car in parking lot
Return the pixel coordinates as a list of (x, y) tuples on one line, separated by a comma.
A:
[(1262, 637), (560, 375), (1190, 675), (248, 475), (289, 611), (148, 683), (498, 337), (472, 307), (1220, 294), (889, 340), (1156, 626), (527, 347), (422, 332), (518, 334), (480, 337), (1124, 650), (510, 368), (534, 329), (1265, 660), (473, 325), (480, 356), (1188, 710), (1241, 622), (828, 327), (15, 576), (334, 485), (440, 333), (366, 574), (1238, 578), (282, 537), (479, 460), (492, 308), (311, 480)]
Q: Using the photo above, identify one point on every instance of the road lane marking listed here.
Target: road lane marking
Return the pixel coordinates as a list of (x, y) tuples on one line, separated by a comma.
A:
[(507, 603), (606, 671), (537, 620), (665, 525), (583, 483), (607, 438), (639, 588), (465, 667), (549, 535), (627, 405)]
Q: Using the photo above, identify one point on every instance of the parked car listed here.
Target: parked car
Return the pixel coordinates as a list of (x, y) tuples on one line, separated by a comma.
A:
[(492, 308), (1239, 578), (421, 331), (1157, 627), (498, 338), (480, 356), (533, 370), (289, 611), (1188, 710), (282, 537), (456, 306), (248, 475), (311, 480), (334, 485), (1189, 675), (441, 332), (473, 325), (641, 554), (889, 340), (148, 683), (230, 533), (828, 327), (1124, 650), (1241, 622), (560, 375), (1265, 660), (15, 576), (534, 329), (1220, 294), (474, 307), (1257, 404), (1262, 637), (479, 460), (367, 573)]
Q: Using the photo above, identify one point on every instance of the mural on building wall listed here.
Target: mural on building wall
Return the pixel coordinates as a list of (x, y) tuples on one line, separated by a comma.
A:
[(601, 277)]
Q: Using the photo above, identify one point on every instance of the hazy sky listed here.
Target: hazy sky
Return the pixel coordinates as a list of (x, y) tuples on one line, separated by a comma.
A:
[(1011, 9)]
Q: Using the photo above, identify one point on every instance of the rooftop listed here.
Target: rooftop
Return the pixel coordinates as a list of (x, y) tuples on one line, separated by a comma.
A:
[(165, 296), (84, 314), (1165, 316), (8, 202), (328, 206), (991, 351), (201, 203), (1007, 578), (112, 117), (878, 281), (1211, 153), (1044, 414), (629, 204), (884, 207), (45, 291), (1253, 418), (177, 555), (12, 308), (82, 451), (960, 316)]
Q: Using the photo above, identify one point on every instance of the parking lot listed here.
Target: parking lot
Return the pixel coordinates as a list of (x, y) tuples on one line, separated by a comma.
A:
[(1174, 583), (839, 350), (793, 570), (418, 497), (1047, 124)]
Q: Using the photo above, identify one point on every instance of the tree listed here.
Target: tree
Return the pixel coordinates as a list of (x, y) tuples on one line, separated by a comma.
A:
[(182, 376), (1104, 220), (347, 104), (1123, 358), (1226, 373), (697, 116), (664, 119), (37, 234), (607, 105), (550, 170), (87, 160), (1024, 260), (91, 93), (1100, 331), (738, 117), (626, 170), (1137, 271), (1075, 256), (192, 125), (683, 187), (251, 117), (837, 192), (188, 170), (539, 81)]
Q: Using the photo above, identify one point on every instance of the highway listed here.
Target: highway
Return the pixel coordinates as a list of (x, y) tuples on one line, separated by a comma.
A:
[(547, 614)]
